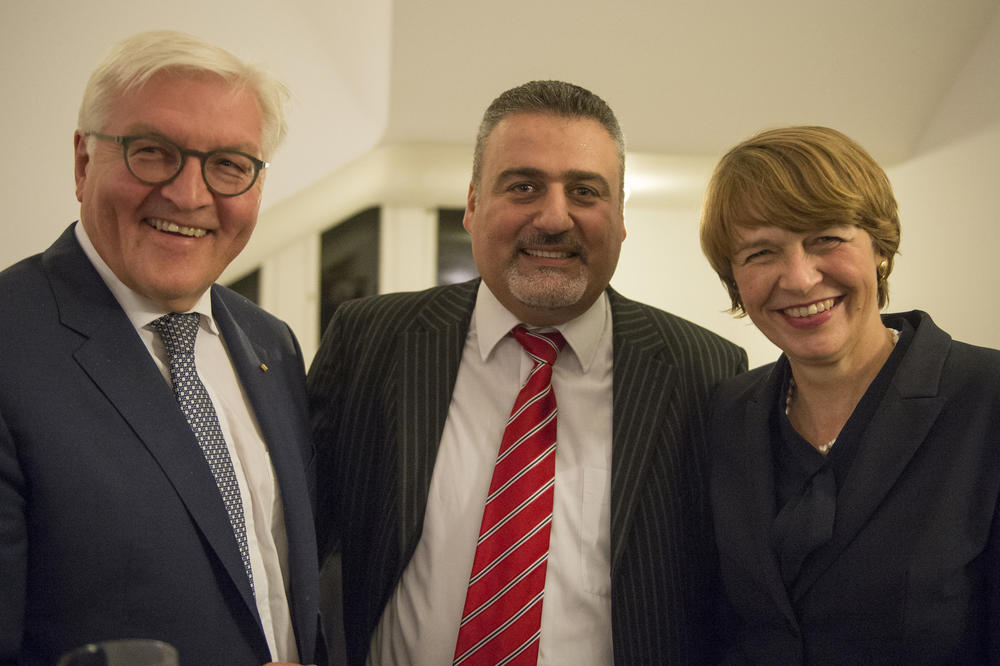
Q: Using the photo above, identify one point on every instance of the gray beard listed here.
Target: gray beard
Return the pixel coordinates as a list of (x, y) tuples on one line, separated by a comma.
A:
[(547, 289)]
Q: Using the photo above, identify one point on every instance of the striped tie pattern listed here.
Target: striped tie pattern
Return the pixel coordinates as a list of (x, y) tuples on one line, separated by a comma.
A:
[(502, 616), (178, 332)]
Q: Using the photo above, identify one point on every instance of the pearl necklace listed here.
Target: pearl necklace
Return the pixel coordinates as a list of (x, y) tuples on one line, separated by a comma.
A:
[(825, 448)]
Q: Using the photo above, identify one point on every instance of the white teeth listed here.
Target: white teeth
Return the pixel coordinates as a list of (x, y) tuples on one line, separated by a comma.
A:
[(547, 255), (164, 225), (810, 310)]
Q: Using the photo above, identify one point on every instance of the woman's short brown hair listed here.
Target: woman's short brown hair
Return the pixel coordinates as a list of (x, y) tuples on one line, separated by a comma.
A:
[(800, 179)]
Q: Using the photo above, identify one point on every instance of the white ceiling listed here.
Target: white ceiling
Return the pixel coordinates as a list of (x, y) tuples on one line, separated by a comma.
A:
[(690, 76), (687, 78)]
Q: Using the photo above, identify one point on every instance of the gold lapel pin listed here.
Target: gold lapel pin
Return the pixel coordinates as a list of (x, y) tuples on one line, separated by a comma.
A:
[(263, 366)]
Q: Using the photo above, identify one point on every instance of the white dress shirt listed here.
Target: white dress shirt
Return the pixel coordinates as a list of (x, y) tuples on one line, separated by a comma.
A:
[(262, 507), (420, 622)]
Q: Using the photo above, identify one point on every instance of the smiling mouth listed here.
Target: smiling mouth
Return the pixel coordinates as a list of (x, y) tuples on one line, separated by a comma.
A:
[(547, 254), (809, 310), (171, 227)]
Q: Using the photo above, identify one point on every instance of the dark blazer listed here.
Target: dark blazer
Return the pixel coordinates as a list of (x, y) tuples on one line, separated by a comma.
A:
[(912, 572), (379, 393), (111, 525)]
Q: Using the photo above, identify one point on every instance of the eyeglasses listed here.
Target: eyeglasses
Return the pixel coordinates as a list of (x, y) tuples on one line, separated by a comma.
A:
[(157, 161)]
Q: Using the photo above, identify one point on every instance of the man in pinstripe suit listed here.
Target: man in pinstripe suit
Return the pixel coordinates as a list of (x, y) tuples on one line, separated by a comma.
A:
[(410, 393)]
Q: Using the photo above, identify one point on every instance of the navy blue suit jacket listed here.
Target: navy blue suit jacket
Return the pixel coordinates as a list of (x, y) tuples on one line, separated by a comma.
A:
[(911, 574), (111, 525)]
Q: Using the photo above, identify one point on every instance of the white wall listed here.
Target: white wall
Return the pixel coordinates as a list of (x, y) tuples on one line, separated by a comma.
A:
[(949, 198), (662, 264), (661, 261), (48, 49), (949, 201), (949, 195), (947, 191), (950, 216)]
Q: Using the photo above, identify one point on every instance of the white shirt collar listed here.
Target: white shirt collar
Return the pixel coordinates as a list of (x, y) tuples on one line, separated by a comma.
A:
[(492, 322), (139, 309)]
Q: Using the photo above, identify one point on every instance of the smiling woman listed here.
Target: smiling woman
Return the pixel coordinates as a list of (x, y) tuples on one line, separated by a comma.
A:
[(792, 283), (853, 480)]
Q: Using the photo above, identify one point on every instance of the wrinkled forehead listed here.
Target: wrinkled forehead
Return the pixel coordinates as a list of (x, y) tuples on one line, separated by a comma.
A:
[(204, 105), (524, 121)]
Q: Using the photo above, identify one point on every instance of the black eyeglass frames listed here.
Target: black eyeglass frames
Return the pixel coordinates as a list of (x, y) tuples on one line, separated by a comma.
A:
[(157, 161)]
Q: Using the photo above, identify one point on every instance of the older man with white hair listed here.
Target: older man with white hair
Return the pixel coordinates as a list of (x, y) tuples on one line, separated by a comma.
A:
[(153, 434)]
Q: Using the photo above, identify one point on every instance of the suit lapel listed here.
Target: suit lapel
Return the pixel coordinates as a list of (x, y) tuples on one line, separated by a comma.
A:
[(642, 385), (429, 354), (281, 423), (900, 425), (756, 497), (118, 363)]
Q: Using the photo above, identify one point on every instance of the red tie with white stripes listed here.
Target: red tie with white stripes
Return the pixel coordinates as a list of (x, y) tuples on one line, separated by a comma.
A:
[(503, 605)]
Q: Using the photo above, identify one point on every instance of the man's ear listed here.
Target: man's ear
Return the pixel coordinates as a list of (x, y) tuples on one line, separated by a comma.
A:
[(81, 158), (470, 208)]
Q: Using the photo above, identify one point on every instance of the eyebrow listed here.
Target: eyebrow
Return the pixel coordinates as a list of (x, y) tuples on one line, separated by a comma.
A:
[(742, 246), (573, 175), (143, 129)]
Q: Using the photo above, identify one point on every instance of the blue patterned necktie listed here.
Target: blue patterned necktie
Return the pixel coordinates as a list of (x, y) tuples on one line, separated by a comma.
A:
[(178, 332)]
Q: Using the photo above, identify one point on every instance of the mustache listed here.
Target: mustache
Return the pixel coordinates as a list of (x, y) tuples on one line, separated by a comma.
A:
[(564, 240)]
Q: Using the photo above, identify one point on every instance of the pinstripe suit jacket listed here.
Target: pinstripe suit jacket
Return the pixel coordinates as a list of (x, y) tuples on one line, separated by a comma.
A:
[(380, 388)]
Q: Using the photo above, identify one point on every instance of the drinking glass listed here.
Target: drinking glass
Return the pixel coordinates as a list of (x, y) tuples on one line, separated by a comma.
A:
[(128, 652)]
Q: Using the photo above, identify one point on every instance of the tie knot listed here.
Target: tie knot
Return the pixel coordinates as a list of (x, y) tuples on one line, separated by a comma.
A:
[(543, 347), (178, 331)]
